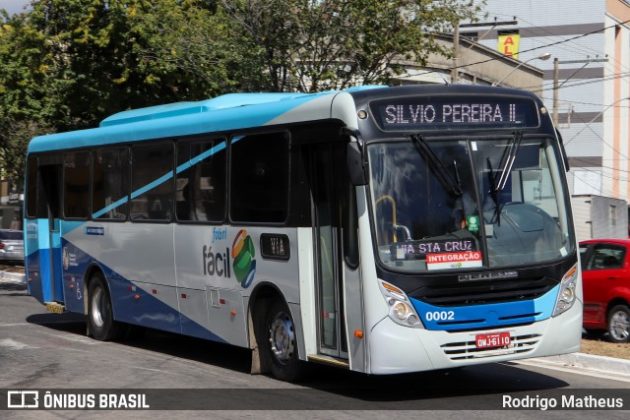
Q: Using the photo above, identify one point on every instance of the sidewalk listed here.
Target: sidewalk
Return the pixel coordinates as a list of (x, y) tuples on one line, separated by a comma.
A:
[(601, 366)]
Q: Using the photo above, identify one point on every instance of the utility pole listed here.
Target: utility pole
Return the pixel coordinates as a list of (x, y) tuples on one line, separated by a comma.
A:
[(456, 57), (556, 75), (455, 68)]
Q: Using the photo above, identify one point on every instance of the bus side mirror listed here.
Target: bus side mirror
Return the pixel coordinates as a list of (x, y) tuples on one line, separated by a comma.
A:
[(356, 168)]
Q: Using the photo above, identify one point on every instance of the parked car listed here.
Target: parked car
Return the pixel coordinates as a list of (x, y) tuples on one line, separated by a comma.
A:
[(11, 246), (606, 284)]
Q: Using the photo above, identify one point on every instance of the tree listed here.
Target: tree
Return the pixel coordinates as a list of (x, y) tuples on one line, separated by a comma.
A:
[(312, 45), (67, 64), (25, 104)]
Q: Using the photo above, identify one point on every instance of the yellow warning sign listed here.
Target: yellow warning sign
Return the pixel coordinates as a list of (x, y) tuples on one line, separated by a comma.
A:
[(508, 45)]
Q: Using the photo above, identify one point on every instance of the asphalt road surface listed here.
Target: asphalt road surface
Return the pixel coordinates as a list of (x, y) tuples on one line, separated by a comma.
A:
[(39, 350)]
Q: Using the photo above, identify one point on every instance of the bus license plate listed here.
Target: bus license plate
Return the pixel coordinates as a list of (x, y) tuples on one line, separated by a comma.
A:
[(493, 340)]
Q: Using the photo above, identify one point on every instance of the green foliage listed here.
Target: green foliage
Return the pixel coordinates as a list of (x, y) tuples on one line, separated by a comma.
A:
[(312, 45)]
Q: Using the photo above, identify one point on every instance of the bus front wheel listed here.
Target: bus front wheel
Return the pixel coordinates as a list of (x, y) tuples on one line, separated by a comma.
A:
[(101, 324), (279, 343)]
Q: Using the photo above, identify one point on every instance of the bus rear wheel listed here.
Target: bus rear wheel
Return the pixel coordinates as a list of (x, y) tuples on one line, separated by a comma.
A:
[(279, 343), (101, 324)]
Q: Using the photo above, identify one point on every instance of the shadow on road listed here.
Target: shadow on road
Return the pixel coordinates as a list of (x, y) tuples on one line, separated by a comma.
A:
[(13, 287), (440, 387)]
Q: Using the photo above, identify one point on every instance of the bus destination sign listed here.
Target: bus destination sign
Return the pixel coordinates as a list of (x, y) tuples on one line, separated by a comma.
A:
[(455, 113)]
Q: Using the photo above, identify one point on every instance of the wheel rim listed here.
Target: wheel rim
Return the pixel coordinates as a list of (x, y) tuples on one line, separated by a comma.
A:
[(619, 326), (98, 307), (281, 337)]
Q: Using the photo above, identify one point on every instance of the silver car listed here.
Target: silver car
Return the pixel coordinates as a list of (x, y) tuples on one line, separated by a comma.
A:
[(11, 245)]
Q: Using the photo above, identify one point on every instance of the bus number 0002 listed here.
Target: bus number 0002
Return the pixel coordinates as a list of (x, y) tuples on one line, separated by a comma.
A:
[(440, 316)]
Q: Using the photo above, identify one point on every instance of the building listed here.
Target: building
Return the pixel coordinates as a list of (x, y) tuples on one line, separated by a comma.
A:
[(476, 63), (589, 41)]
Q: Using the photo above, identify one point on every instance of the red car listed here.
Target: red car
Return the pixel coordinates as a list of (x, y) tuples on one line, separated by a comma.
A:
[(606, 284)]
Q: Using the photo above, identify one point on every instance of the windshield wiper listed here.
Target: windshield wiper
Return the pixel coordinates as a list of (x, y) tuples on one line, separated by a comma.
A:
[(499, 178), (436, 166), (507, 162)]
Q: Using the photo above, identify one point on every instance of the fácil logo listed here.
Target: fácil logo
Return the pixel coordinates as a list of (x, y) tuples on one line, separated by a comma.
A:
[(243, 252), (216, 263)]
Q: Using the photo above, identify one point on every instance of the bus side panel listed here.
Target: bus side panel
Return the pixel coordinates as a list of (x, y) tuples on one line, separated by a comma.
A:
[(217, 268), (74, 265), (33, 255), (41, 261), (56, 268), (137, 262)]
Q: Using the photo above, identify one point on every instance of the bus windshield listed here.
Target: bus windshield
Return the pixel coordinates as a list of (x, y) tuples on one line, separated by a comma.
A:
[(450, 204)]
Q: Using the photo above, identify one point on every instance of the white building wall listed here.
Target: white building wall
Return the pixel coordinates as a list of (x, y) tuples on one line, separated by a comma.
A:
[(599, 127)]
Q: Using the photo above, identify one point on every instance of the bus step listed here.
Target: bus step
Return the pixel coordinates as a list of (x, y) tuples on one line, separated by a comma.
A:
[(55, 307), (328, 360)]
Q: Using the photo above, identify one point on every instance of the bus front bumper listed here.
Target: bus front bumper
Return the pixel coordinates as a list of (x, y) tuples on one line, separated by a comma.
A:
[(397, 349)]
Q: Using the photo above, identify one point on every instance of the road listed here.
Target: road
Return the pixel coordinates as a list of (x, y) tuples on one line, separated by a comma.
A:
[(47, 351)]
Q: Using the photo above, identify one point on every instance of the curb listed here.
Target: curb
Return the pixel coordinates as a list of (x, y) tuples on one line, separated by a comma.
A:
[(598, 364)]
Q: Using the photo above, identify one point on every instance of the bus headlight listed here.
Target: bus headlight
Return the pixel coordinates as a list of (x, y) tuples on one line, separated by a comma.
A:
[(566, 296), (400, 309)]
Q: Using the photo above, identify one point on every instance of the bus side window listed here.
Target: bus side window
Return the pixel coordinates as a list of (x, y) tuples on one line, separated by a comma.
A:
[(31, 188), (152, 182), (200, 194), (110, 184), (260, 178), (76, 185)]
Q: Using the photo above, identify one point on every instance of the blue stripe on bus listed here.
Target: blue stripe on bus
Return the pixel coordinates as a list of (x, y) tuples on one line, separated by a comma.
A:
[(151, 185), (109, 208), (184, 166), (491, 315)]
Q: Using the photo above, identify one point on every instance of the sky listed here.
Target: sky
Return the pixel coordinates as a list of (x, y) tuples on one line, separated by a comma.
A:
[(13, 6)]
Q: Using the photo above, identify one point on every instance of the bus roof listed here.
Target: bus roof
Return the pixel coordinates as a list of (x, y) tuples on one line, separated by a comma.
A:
[(223, 113)]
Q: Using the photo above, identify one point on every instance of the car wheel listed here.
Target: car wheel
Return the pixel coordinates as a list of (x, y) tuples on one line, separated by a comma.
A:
[(619, 324), (280, 344), (100, 315)]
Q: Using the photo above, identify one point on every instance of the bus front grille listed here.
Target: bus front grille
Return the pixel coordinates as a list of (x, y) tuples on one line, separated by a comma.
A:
[(466, 350)]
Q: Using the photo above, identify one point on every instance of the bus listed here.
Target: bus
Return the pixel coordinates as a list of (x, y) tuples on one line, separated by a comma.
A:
[(378, 229)]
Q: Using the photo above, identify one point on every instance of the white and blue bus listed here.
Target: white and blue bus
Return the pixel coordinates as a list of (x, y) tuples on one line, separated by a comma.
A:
[(383, 230)]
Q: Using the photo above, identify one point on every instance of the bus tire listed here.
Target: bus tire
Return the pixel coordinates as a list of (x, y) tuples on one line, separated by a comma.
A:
[(279, 343), (101, 322), (618, 326)]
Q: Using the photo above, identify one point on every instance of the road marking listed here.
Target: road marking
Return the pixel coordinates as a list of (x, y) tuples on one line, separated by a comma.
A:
[(14, 345), (15, 324)]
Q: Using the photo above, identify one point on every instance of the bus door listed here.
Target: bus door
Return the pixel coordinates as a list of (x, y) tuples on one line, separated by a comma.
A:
[(326, 165), (49, 197)]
